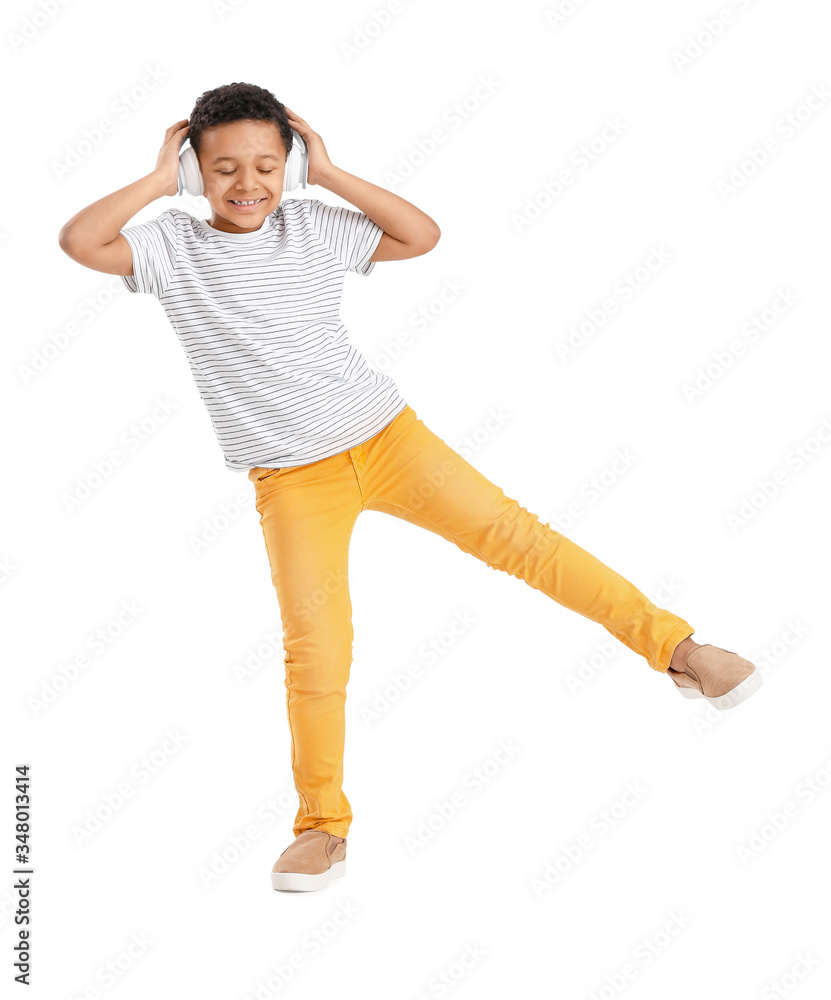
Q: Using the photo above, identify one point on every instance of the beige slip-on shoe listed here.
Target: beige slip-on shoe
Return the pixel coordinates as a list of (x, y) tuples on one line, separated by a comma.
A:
[(724, 678), (310, 862)]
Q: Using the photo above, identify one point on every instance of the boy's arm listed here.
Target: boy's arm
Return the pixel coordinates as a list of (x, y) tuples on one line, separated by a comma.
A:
[(92, 237), (408, 232)]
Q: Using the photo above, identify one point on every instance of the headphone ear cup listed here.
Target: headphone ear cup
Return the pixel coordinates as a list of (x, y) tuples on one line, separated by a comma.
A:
[(190, 176), (297, 164)]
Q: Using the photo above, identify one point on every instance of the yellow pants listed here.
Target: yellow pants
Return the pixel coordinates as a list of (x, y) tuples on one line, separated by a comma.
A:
[(307, 513)]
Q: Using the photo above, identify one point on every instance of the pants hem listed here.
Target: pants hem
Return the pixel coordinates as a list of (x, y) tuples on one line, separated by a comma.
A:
[(337, 829), (674, 638)]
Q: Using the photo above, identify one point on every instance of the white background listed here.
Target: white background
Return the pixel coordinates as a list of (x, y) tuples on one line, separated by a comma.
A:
[(694, 890)]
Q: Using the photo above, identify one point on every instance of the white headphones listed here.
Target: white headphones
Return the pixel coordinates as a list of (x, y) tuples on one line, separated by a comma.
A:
[(297, 167)]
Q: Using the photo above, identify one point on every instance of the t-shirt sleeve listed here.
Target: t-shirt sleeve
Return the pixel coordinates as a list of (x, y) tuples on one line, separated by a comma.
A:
[(351, 235), (153, 245)]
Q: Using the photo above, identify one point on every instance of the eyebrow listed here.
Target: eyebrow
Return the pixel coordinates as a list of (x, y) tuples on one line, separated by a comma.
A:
[(262, 156)]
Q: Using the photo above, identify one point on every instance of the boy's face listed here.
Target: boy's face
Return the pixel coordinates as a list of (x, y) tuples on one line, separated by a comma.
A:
[(242, 161)]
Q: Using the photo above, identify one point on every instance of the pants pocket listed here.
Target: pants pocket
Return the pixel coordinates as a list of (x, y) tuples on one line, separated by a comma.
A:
[(261, 474)]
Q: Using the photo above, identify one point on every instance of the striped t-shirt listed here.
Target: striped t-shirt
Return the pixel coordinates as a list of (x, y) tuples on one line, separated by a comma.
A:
[(258, 315)]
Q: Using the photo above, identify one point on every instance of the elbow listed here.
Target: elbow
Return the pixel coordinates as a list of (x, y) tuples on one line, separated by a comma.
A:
[(72, 244), (429, 241), (64, 240)]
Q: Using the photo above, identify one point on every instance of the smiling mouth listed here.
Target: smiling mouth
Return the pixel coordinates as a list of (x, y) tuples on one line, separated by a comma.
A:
[(248, 203)]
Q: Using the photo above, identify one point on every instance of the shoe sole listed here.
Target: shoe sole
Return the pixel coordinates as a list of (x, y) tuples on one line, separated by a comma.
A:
[(303, 882), (732, 698)]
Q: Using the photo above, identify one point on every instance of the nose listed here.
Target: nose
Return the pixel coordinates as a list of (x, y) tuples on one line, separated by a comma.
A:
[(247, 182)]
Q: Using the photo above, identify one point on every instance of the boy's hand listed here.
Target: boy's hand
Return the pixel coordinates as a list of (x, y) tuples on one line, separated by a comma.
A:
[(167, 164), (319, 162)]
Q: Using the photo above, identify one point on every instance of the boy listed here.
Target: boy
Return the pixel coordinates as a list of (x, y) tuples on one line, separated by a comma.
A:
[(254, 297)]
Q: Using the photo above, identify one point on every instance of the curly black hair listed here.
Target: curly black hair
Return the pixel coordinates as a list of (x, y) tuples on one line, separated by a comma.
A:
[(232, 102)]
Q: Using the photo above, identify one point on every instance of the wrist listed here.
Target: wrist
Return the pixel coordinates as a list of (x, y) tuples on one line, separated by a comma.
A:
[(328, 176), (158, 184)]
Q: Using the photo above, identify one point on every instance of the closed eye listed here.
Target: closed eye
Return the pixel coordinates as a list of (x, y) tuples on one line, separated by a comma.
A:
[(235, 170)]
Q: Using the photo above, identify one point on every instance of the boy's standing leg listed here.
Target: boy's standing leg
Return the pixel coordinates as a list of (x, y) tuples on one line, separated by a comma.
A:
[(307, 515)]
